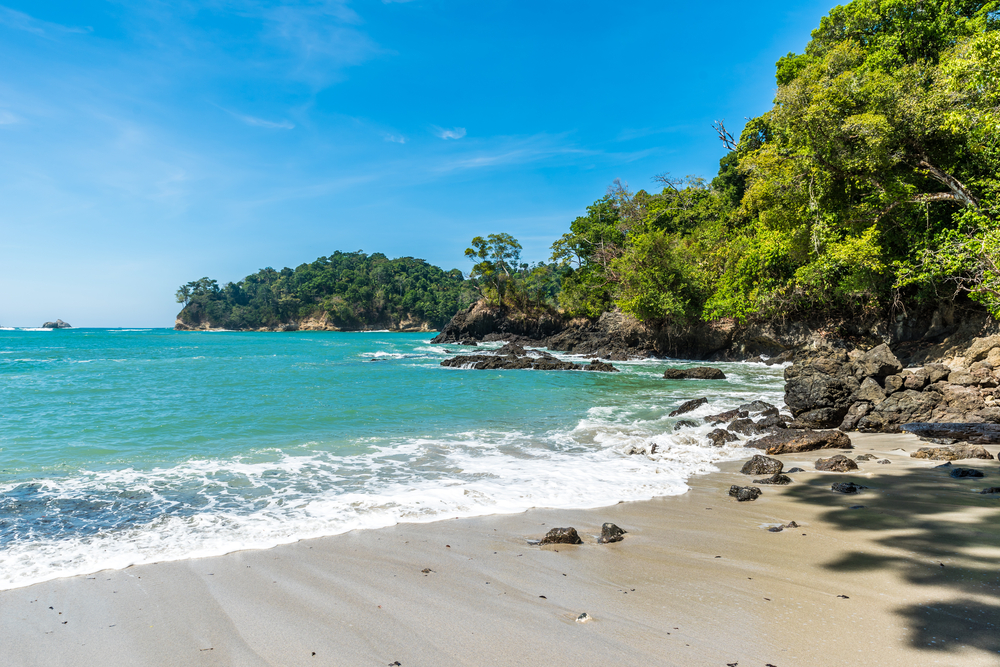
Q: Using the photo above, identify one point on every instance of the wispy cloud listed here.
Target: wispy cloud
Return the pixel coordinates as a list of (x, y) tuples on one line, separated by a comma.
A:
[(21, 21), (446, 133), (395, 138), (260, 122), (7, 118), (638, 133)]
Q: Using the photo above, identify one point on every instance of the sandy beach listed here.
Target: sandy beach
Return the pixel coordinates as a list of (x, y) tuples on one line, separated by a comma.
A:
[(903, 573)]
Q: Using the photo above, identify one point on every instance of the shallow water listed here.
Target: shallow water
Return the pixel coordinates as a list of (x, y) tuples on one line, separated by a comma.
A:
[(128, 446)]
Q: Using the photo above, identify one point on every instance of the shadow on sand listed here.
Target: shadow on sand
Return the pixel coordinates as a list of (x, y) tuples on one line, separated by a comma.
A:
[(938, 531)]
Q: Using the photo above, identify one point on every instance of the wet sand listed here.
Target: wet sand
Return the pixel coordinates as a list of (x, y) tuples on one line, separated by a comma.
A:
[(904, 573)]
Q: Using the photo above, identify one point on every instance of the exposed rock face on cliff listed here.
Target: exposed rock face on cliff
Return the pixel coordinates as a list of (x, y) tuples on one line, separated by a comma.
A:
[(870, 391), (192, 320), (58, 324)]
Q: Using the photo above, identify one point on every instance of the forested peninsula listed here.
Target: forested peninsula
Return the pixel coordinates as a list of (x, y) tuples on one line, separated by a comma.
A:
[(864, 203)]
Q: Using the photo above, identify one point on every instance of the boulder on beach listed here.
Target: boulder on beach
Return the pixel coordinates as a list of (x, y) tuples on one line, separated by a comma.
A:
[(777, 479), (562, 536), (793, 442), (838, 463), (962, 473), (762, 465), (688, 406), (952, 453), (846, 487), (948, 433), (611, 533), (697, 373), (744, 493)]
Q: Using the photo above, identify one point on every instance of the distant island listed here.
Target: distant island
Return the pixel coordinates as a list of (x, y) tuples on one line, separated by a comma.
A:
[(347, 291)]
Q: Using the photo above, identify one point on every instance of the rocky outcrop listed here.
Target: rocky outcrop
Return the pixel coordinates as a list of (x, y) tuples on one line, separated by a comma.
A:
[(697, 373), (194, 318), (789, 441), (58, 324), (870, 391), (946, 434), (515, 357)]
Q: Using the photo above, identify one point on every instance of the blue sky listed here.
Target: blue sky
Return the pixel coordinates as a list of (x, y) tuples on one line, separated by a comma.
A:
[(146, 143)]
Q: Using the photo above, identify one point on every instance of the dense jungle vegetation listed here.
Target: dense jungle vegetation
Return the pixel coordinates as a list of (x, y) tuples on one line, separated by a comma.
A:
[(872, 185)]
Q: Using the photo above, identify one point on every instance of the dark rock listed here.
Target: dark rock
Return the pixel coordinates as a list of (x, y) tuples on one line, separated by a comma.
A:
[(901, 408), (744, 493), (838, 463), (776, 529), (977, 434), (756, 407), (611, 533), (847, 487), (992, 489), (961, 473), (762, 465), (795, 470), (686, 423), (916, 381), (893, 383), (697, 373), (864, 457), (719, 437), (514, 357), (946, 466), (870, 391), (58, 324), (770, 423), (791, 524), (726, 416), (793, 442), (854, 415), (744, 427), (884, 461), (776, 478), (470, 343), (877, 363), (562, 536), (952, 453), (936, 372), (688, 406)]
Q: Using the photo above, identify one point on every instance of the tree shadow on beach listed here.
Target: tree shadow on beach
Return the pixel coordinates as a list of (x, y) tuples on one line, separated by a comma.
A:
[(939, 531)]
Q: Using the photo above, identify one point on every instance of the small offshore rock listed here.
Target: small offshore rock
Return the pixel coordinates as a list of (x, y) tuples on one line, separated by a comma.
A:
[(685, 423), (562, 536), (744, 493), (697, 373), (720, 437), (838, 463), (771, 422), (611, 533), (883, 461), (727, 416), (762, 465), (777, 479), (952, 453), (58, 324), (744, 427), (688, 406), (757, 407), (961, 473), (847, 487), (864, 457), (584, 618)]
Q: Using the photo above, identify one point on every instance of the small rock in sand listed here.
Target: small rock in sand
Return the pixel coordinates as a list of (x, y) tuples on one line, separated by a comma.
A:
[(610, 533), (744, 493), (883, 461), (762, 465), (960, 473), (562, 536), (776, 478), (795, 470), (584, 618), (847, 487), (864, 457), (838, 463), (992, 489)]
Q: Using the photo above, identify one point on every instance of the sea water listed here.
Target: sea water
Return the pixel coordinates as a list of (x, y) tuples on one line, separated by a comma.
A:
[(126, 446)]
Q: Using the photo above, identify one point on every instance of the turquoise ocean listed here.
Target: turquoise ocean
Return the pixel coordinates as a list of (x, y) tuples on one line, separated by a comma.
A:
[(127, 446)]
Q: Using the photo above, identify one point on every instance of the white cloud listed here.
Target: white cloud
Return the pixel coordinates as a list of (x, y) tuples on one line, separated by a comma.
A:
[(395, 138), (7, 118), (453, 133), (260, 122)]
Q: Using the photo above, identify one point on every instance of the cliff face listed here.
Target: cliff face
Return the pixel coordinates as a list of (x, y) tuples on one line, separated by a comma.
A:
[(917, 338), (191, 319)]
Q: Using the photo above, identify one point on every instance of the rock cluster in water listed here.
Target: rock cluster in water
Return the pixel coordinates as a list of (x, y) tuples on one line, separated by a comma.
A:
[(514, 357), (58, 324)]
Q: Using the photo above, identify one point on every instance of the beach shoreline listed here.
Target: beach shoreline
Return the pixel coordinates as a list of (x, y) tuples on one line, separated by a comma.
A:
[(698, 580)]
